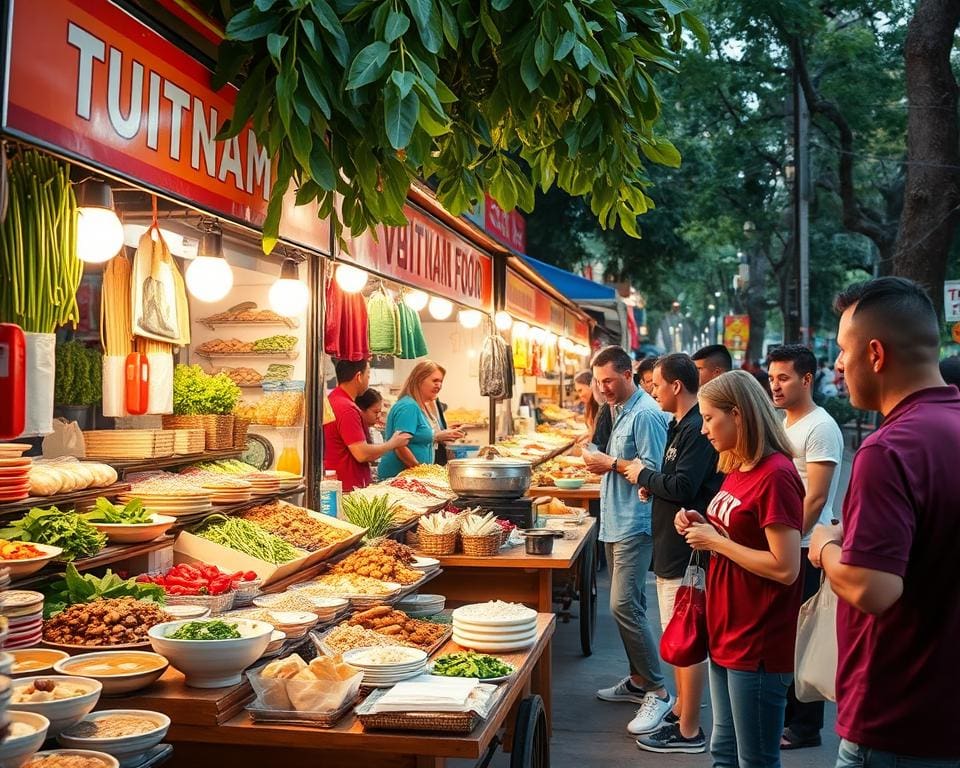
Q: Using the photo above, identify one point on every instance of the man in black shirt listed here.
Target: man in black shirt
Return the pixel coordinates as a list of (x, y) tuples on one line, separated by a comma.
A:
[(688, 479)]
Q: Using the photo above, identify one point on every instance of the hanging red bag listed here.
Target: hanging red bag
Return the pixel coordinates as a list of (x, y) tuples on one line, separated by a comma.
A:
[(684, 641)]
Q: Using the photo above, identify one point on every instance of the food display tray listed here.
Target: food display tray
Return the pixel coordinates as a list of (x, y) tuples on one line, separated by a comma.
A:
[(319, 640), (447, 722), (295, 717), (292, 354)]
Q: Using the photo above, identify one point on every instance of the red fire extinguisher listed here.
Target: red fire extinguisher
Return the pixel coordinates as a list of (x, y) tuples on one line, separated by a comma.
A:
[(137, 385), (13, 380)]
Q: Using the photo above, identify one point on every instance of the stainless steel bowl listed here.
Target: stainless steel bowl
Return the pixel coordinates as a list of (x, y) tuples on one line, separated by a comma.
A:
[(494, 476)]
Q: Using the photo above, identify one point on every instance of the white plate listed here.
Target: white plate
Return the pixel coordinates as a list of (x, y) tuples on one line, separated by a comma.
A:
[(465, 615), (21, 568), (493, 647), (357, 658), (493, 633), (425, 563)]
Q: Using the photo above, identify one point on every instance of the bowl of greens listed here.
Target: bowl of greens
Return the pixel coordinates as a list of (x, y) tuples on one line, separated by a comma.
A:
[(211, 653), (129, 523), (488, 669)]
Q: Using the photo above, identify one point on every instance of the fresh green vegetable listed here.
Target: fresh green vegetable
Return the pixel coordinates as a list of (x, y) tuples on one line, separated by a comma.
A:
[(79, 374), (69, 531), (197, 392), (38, 246), (375, 514), (206, 630), (246, 537), (105, 511), (469, 664), (278, 372), (278, 343), (74, 588), (225, 467)]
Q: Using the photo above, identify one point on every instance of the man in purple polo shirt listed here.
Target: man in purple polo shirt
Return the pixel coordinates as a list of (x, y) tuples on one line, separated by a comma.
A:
[(894, 562)]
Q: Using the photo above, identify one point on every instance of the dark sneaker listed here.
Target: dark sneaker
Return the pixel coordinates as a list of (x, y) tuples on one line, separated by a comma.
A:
[(669, 739), (671, 718), (622, 691)]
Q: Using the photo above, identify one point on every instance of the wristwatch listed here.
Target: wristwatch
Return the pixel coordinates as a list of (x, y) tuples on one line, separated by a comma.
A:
[(616, 464)]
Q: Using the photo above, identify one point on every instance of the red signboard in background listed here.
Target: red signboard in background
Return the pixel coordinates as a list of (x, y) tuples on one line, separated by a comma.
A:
[(736, 332), (89, 80), (508, 227)]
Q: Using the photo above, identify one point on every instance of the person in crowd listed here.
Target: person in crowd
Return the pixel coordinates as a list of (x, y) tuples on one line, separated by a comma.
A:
[(583, 386), (893, 561), (345, 440), (752, 527), (950, 370), (711, 361), (416, 413), (688, 479), (638, 433), (644, 374), (817, 453), (370, 404)]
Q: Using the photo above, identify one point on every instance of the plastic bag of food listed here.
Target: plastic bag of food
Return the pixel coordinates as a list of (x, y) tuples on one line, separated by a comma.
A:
[(324, 685)]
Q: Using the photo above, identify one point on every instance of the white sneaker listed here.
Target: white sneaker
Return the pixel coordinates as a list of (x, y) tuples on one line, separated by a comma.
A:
[(651, 714), (622, 692)]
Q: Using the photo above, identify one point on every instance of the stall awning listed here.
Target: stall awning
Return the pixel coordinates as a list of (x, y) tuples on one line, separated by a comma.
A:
[(574, 287)]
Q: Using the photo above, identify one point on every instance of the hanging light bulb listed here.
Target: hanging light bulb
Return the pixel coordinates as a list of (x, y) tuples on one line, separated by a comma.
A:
[(521, 330), (416, 300), (289, 296), (99, 231), (537, 335), (502, 320), (470, 318), (209, 277), (350, 279), (440, 309)]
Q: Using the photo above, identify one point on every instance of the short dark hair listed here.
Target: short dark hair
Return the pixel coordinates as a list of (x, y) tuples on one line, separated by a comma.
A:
[(950, 370), (717, 354), (368, 399), (803, 359), (901, 308), (348, 369), (622, 362), (680, 367), (647, 364)]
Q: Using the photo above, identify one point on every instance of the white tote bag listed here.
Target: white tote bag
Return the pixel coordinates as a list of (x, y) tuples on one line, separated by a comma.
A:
[(815, 660)]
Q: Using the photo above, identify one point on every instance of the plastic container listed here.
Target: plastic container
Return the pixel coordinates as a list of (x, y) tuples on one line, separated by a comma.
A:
[(331, 489), (282, 404)]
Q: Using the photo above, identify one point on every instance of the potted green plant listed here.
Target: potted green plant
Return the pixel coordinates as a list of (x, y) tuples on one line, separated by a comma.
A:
[(78, 382), (202, 400)]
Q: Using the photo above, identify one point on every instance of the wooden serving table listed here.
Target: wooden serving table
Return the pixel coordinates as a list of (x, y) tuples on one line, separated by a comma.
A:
[(580, 497), (209, 727)]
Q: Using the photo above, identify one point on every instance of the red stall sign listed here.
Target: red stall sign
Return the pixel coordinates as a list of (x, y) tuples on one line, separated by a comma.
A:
[(507, 226)]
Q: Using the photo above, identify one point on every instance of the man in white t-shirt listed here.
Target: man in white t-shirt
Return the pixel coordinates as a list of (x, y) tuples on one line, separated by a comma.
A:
[(818, 450)]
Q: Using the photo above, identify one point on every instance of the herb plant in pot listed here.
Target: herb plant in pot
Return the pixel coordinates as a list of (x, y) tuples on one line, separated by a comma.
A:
[(204, 401), (78, 382)]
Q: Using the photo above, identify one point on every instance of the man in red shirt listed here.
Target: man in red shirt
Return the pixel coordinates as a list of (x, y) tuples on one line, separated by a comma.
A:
[(345, 445), (893, 563)]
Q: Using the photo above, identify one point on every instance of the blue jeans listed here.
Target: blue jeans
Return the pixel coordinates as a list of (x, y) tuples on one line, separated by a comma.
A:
[(629, 561), (854, 756), (747, 717)]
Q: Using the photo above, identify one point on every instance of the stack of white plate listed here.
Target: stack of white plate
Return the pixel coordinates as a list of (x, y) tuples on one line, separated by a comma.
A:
[(4, 578), (128, 443), (417, 606), (175, 504), (425, 564), (229, 491), (386, 666), (495, 626), (329, 608), (263, 484), (24, 612)]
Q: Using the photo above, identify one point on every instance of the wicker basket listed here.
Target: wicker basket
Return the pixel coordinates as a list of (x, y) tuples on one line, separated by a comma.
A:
[(481, 546), (504, 537), (216, 603), (219, 430), (188, 441), (183, 422), (240, 427), (412, 539), (437, 543)]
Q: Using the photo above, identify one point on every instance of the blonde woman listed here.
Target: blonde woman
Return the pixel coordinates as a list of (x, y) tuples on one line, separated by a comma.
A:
[(752, 527), (417, 412)]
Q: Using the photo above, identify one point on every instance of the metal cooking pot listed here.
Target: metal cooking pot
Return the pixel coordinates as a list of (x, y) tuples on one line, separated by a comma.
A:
[(490, 475), (539, 541)]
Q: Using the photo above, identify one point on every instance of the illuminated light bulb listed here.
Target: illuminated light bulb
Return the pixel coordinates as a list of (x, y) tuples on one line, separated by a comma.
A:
[(470, 318), (99, 230), (288, 295), (503, 321), (350, 279), (209, 277), (416, 300), (440, 309), (521, 330)]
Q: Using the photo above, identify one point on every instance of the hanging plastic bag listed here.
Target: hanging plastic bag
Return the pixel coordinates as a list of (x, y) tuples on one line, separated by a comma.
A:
[(65, 440), (161, 383), (114, 386), (815, 657), (154, 292), (684, 641), (40, 377)]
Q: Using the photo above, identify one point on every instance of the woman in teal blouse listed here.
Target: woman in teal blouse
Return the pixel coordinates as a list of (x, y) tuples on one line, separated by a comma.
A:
[(416, 412)]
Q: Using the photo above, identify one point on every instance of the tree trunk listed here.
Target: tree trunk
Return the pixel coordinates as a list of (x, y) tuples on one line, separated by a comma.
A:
[(756, 302), (932, 195)]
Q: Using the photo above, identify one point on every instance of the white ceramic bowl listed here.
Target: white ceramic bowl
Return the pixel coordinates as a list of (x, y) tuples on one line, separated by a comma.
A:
[(108, 760), (212, 663), (16, 750), (128, 750), (21, 568), (124, 533), (114, 683), (45, 656), (187, 611), (62, 712)]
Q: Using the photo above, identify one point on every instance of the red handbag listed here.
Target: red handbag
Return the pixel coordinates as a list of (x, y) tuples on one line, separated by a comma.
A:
[(684, 641)]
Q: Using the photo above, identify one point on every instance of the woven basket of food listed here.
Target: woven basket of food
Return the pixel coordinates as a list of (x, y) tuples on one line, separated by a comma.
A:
[(219, 429), (481, 546), (240, 427), (437, 543)]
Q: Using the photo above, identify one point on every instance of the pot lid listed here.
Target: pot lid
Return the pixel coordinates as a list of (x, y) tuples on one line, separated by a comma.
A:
[(493, 461)]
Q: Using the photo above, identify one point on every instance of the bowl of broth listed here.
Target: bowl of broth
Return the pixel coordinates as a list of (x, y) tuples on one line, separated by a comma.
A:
[(119, 672)]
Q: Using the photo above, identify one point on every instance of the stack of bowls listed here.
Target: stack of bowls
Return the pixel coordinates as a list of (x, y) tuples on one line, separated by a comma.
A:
[(23, 609), (386, 666), (418, 606), (496, 626)]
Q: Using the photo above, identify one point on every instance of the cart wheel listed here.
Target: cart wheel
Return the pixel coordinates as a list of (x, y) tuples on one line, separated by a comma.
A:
[(588, 601), (531, 746)]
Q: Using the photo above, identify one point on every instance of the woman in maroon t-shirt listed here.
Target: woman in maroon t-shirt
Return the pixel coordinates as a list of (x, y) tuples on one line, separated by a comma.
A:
[(752, 528)]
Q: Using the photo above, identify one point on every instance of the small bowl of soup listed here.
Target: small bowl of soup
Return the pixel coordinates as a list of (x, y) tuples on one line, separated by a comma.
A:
[(35, 661), (119, 672)]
